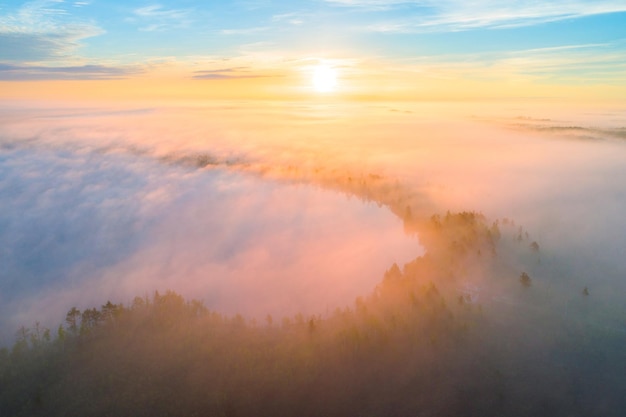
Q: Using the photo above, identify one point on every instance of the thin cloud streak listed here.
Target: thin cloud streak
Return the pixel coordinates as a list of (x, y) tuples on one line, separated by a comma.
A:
[(579, 63), (226, 74), (157, 18), (10, 72), (455, 15), (245, 31)]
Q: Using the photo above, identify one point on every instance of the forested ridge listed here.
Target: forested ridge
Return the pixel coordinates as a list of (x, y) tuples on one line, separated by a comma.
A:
[(414, 346)]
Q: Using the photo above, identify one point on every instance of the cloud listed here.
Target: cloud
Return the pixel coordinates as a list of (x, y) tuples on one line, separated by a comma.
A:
[(568, 128), (573, 64), (456, 15), (34, 46), (157, 18), (370, 4), (226, 74), (10, 72), (63, 211), (158, 12), (76, 191), (82, 223), (295, 19), (41, 31), (245, 31)]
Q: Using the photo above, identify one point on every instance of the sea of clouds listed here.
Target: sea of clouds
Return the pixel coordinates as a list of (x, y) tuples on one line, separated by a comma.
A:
[(102, 204)]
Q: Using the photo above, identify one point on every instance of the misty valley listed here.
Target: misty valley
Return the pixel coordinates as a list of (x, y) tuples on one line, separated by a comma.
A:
[(120, 226), (407, 266)]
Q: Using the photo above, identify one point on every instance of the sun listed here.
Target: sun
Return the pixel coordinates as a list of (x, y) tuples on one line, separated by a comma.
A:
[(324, 78)]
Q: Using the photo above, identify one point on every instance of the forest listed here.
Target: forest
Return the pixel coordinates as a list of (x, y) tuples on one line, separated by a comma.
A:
[(419, 344)]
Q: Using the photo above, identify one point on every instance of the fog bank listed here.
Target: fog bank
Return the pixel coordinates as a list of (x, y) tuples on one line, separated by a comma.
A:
[(556, 170)]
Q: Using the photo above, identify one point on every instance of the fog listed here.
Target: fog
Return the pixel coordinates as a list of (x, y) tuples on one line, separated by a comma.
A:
[(274, 207), (80, 226), (469, 255)]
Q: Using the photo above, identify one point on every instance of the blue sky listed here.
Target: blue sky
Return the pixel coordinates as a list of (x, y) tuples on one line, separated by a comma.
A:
[(556, 41)]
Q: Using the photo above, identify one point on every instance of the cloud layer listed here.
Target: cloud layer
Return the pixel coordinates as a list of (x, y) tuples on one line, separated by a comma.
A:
[(113, 203), (79, 225)]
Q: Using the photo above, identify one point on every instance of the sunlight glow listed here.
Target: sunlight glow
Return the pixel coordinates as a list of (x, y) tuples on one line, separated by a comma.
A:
[(324, 79)]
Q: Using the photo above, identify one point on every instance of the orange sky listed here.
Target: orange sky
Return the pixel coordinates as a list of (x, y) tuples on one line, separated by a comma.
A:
[(369, 81)]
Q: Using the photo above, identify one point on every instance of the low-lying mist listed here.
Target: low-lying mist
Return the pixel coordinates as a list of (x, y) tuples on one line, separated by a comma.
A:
[(511, 211), (501, 160), (81, 226)]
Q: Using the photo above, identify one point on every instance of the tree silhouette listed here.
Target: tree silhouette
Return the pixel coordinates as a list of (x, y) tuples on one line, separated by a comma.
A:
[(534, 246), (72, 319)]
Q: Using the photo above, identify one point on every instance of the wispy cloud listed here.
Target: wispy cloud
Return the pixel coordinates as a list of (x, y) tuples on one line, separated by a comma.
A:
[(158, 18), (10, 72), (158, 11), (41, 31), (244, 31), (577, 63), (372, 4), (573, 63), (226, 74), (41, 46), (457, 15), (295, 19)]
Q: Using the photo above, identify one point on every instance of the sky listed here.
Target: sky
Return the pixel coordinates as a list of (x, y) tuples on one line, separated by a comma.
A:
[(257, 49)]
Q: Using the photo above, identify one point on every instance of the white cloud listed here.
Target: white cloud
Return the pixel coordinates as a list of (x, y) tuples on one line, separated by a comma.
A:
[(371, 4), (158, 18), (456, 15), (88, 216), (295, 19), (580, 63), (244, 31), (42, 31)]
